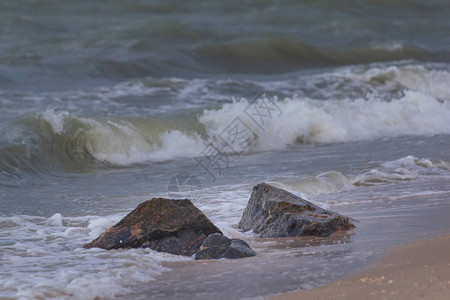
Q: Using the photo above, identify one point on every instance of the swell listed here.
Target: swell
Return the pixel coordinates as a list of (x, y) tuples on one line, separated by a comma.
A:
[(288, 54), (266, 56)]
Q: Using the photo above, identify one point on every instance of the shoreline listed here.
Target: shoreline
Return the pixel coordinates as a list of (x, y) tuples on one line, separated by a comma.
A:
[(419, 270)]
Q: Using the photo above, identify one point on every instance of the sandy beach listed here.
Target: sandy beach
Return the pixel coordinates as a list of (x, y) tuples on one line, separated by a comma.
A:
[(420, 270)]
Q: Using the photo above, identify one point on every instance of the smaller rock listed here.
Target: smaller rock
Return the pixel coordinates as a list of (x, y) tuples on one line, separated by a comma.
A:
[(218, 246)]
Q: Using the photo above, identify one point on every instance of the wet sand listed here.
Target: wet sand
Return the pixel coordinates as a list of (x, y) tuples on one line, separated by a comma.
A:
[(420, 270)]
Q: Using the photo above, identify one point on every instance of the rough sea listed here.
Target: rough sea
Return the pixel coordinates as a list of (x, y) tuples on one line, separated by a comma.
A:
[(105, 104)]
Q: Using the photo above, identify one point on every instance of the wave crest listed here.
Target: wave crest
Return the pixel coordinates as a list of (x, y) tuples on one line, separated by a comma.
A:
[(121, 141)]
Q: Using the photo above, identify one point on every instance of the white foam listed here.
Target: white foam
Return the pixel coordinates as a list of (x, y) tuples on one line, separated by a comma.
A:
[(406, 168), (56, 220), (316, 121), (412, 162), (224, 205), (42, 261), (56, 119), (129, 146), (403, 169), (417, 78)]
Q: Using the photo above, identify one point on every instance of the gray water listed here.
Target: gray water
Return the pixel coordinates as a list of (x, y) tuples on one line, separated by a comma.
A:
[(102, 104)]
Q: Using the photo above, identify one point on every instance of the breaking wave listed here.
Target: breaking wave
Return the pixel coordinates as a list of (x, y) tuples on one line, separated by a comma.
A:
[(60, 137), (304, 120), (417, 78), (119, 141)]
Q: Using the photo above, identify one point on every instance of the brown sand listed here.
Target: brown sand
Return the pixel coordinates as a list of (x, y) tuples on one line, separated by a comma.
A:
[(416, 271)]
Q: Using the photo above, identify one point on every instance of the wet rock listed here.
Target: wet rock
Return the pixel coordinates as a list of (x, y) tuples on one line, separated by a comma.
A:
[(273, 212), (219, 246), (166, 225)]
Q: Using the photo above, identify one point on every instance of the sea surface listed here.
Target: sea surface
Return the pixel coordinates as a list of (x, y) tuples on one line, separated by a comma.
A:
[(105, 104)]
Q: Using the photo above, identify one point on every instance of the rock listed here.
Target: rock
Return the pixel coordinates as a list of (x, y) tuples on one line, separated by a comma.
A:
[(273, 212), (173, 226), (219, 246)]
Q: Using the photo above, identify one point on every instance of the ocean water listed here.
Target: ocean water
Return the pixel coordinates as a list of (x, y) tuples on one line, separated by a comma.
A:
[(105, 105)]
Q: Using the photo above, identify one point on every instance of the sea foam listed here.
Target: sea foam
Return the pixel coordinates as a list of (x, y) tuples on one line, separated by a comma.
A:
[(44, 259), (317, 121), (404, 169)]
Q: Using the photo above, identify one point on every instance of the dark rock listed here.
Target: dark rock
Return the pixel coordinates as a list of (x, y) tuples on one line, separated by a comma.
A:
[(273, 212), (219, 246), (173, 226)]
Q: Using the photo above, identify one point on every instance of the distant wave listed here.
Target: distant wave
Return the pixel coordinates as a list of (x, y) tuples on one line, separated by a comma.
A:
[(411, 77), (287, 54)]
